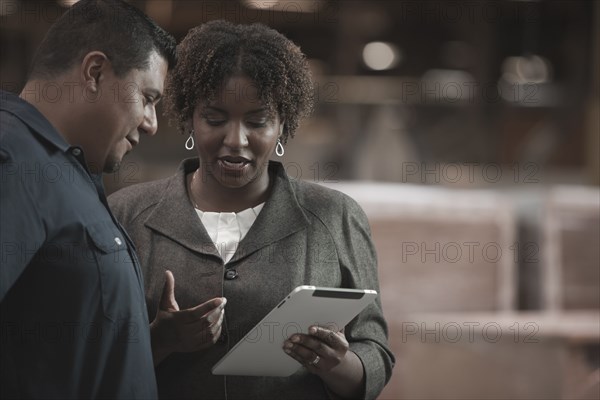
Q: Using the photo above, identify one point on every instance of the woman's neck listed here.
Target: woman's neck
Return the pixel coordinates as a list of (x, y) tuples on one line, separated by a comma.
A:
[(217, 198)]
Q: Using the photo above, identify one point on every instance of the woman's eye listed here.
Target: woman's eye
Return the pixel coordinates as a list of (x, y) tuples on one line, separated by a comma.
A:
[(257, 124), (214, 121)]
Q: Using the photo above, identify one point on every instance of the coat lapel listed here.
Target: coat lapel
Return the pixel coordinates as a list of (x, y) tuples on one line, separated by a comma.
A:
[(281, 216), (175, 217)]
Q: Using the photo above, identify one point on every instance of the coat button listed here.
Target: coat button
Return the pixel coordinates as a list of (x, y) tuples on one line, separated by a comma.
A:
[(223, 338), (231, 274)]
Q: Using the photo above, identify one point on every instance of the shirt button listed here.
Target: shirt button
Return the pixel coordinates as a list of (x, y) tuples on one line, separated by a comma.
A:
[(231, 274), (118, 241), (76, 152)]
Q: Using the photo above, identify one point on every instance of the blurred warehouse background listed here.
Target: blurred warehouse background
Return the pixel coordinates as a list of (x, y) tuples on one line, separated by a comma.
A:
[(469, 131)]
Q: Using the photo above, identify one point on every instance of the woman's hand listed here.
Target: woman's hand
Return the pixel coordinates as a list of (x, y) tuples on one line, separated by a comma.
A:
[(325, 352), (193, 329), (321, 350)]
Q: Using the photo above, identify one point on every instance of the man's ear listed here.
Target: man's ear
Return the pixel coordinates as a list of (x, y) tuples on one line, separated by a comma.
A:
[(94, 67)]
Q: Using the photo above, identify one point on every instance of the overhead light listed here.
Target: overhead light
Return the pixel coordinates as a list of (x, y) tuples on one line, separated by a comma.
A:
[(526, 69), (260, 5), (299, 6), (67, 3), (380, 56), (526, 81)]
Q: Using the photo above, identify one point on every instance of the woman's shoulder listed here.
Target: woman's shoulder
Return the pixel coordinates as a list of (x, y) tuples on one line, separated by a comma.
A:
[(143, 194), (134, 199), (325, 202)]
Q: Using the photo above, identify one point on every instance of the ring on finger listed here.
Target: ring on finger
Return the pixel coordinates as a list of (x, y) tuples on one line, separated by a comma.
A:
[(315, 361)]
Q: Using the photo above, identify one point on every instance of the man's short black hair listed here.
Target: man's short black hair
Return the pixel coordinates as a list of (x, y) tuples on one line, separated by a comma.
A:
[(119, 30)]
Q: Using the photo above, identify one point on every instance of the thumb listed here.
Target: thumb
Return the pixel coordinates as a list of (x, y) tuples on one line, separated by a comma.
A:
[(167, 299)]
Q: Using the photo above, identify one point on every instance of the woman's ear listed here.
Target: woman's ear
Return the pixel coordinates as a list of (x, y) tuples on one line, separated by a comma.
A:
[(281, 126), (189, 125)]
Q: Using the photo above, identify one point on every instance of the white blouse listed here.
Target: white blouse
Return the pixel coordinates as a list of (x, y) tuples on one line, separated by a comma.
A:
[(227, 229)]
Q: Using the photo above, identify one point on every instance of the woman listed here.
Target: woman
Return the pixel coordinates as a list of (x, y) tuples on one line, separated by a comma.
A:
[(237, 235)]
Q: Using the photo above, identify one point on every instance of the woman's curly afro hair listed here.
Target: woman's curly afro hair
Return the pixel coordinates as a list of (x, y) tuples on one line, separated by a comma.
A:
[(215, 51)]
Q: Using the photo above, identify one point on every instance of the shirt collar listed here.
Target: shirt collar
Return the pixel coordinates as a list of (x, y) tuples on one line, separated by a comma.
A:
[(244, 220), (31, 117)]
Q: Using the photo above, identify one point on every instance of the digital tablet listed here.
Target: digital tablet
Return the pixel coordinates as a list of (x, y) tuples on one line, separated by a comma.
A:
[(260, 352)]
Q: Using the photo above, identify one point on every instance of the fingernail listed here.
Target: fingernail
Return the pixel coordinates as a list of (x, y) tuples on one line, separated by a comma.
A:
[(295, 339), (223, 301), (287, 345), (287, 351), (313, 330)]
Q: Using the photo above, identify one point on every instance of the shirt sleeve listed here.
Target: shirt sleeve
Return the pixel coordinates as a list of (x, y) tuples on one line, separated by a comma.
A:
[(21, 227), (367, 333)]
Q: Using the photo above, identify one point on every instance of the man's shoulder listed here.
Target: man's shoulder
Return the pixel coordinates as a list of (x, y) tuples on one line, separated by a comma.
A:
[(12, 128), (8, 100), (18, 144), (13, 118)]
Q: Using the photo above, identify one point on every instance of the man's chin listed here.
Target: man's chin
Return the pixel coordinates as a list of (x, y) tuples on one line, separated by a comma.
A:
[(112, 168), (112, 165)]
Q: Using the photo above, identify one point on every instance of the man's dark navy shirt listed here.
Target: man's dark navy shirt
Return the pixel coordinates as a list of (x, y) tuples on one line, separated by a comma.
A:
[(72, 308)]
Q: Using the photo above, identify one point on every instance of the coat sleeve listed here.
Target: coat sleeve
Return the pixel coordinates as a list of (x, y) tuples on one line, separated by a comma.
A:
[(367, 333)]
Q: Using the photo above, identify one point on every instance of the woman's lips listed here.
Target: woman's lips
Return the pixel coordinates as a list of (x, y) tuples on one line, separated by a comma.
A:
[(234, 164)]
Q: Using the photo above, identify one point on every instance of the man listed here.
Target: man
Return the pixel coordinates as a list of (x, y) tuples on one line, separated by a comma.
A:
[(73, 318)]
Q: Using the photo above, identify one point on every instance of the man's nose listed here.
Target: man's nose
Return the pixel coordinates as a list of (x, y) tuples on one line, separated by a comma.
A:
[(149, 125)]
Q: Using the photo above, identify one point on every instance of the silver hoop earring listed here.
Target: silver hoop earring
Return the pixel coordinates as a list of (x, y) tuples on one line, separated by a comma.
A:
[(189, 144), (279, 150)]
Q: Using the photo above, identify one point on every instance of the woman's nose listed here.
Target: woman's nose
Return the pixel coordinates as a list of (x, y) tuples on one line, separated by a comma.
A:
[(236, 136)]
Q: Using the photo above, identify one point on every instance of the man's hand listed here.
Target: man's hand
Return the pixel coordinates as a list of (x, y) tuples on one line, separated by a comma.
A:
[(175, 330)]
